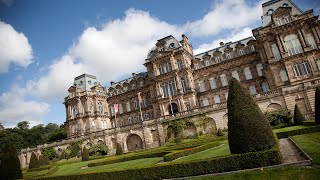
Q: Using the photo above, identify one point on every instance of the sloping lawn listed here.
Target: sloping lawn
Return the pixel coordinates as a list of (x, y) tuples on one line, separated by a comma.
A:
[(221, 150), (310, 143), (75, 168)]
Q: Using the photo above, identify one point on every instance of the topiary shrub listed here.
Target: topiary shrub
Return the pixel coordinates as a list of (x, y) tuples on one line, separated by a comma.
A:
[(297, 117), (248, 129), (34, 161), (317, 105), (219, 133), (43, 160), (119, 149), (85, 154), (10, 163)]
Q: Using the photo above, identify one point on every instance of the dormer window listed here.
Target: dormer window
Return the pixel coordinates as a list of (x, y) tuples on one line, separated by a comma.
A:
[(285, 5), (270, 11), (171, 45), (89, 82), (81, 83)]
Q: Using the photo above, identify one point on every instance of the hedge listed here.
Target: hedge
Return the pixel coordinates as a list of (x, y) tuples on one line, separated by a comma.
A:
[(175, 155), (128, 158), (312, 129), (308, 123), (40, 168), (192, 168)]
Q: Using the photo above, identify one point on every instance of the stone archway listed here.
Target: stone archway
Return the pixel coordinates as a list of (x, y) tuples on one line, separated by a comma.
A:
[(173, 108), (134, 142), (190, 130), (273, 107)]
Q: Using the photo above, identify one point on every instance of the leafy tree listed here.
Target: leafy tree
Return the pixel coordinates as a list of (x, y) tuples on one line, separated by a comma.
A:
[(23, 125), (34, 161), (248, 130), (297, 117), (281, 116), (75, 148), (317, 105), (98, 149), (10, 163), (85, 154), (58, 134), (51, 127), (119, 149), (49, 152), (1, 127)]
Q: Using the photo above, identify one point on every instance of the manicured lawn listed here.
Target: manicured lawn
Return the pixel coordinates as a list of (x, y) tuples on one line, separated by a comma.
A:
[(221, 150), (34, 174), (290, 128), (310, 143), (284, 173), (75, 168)]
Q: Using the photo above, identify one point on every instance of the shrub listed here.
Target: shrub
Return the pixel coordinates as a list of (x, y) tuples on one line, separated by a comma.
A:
[(219, 133), (119, 149), (85, 154), (34, 161), (49, 152), (10, 163), (98, 150), (297, 117), (286, 134), (43, 160), (278, 117), (317, 105), (75, 148), (248, 130)]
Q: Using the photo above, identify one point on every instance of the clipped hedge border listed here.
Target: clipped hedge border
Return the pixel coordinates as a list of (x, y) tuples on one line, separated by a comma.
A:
[(192, 168), (40, 168), (175, 155), (308, 130), (309, 123), (129, 158)]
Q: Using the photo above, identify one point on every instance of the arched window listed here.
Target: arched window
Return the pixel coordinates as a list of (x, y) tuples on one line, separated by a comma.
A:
[(184, 85), (224, 80), (259, 69), (283, 75), (265, 87), (235, 75), (216, 99), (247, 73), (270, 11), (252, 90), (75, 111), (100, 107), (293, 44), (213, 83)]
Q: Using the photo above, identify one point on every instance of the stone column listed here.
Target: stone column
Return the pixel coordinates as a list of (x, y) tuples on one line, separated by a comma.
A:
[(315, 35)]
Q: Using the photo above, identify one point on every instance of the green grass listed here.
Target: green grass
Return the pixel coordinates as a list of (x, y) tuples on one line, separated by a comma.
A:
[(221, 150), (283, 173), (290, 128), (34, 173), (69, 169), (310, 143)]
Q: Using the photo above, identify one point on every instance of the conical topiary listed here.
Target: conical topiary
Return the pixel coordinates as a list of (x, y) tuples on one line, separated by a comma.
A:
[(119, 149), (248, 130), (34, 161), (85, 154), (317, 105), (297, 117), (43, 160), (10, 163)]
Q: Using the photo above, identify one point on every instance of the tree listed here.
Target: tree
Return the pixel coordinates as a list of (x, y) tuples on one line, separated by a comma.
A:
[(23, 125), (1, 127), (98, 149), (297, 117), (34, 161), (317, 105), (248, 129), (50, 152), (10, 163), (85, 154), (119, 149)]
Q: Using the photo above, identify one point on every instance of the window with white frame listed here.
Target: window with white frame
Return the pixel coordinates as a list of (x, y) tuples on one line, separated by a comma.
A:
[(201, 86), (213, 83), (293, 44), (216, 99), (224, 80), (235, 74), (265, 87), (259, 69), (184, 85), (283, 75), (302, 68), (241, 52), (247, 73), (275, 52), (128, 106), (172, 88), (310, 41), (135, 104), (165, 68), (252, 90), (205, 102), (283, 20)]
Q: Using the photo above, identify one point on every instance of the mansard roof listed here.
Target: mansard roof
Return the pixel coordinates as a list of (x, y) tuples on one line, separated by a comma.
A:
[(168, 43)]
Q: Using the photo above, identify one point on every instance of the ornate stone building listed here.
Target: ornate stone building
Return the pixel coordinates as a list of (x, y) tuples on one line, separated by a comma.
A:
[(280, 66)]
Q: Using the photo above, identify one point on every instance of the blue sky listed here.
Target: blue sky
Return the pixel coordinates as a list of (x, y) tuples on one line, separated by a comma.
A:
[(45, 44)]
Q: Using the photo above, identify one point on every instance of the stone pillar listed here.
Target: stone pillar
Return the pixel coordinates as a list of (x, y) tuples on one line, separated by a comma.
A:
[(315, 35), (280, 45), (173, 64), (301, 37), (161, 134)]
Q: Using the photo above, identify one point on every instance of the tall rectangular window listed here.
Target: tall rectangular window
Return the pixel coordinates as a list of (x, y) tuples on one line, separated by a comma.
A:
[(224, 80), (201, 86), (184, 85), (247, 73), (128, 106), (275, 52), (235, 75), (216, 99), (302, 68), (205, 102), (213, 83)]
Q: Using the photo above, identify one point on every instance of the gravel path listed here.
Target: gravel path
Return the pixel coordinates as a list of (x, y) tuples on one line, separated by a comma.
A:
[(289, 151)]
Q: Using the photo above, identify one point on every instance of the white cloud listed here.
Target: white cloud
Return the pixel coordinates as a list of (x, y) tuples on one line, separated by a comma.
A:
[(13, 109), (14, 48), (234, 36), (225, 15)]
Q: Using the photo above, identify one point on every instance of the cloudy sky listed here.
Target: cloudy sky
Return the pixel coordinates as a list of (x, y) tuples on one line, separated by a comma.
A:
[(45, 44)]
